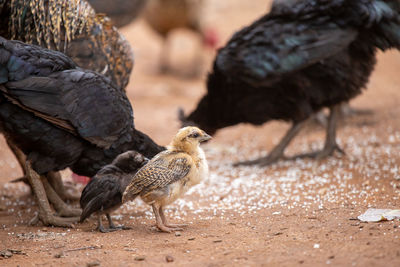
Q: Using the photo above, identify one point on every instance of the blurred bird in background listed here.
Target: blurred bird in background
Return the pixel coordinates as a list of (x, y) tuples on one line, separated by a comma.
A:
[(170, 174), (165, 16), (287, 65), (103, 194), (121, 12)]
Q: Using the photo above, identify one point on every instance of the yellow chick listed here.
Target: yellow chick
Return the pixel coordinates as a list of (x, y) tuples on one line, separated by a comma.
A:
[(171, 173)]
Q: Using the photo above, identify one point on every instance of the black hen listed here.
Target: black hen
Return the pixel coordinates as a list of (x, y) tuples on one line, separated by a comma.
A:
[(62, 116), (301, 57), (103, 194)]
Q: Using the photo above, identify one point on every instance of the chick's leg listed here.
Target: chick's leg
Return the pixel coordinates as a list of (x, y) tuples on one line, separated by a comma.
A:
[(60, 206), (159, 221), (100, 226), (165, 222), (45, 213), (277, 152), (113, 226)]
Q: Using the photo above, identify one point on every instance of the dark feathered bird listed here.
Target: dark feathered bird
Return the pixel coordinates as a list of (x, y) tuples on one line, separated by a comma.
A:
[(302, 56), (121, 12), (62, 116), (103, 194), (72, 27)]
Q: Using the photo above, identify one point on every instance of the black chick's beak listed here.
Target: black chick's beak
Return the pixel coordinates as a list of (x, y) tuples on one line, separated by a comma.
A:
[(205, 138)]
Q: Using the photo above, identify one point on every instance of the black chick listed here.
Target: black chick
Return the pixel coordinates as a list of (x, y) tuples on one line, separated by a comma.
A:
[(121, 12), (292, 62), (62, 116), (103, 194)]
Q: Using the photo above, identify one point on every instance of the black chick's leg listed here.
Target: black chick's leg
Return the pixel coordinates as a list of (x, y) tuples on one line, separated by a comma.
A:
[(159, 221), (45, 213), (165, 222), (58, 185), (100, 226), (59, 205), (113, 226), (277, 152)]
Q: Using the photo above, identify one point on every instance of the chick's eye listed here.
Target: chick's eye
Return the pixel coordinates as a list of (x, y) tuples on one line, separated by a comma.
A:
[(195, 135)]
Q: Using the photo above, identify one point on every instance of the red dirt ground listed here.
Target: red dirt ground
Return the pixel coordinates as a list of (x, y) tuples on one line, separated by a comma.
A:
[(299, 213)]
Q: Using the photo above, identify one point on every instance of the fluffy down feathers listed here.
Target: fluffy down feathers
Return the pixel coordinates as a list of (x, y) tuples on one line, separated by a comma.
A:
[(103, 193), (170, 173)]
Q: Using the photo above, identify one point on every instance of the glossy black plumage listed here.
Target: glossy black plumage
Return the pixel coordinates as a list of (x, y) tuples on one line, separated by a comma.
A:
[(63, 116), (299, 58), (103, 193)]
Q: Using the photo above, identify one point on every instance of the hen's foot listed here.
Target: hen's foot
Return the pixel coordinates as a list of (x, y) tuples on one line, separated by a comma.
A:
[(173, 225), (52, 220)]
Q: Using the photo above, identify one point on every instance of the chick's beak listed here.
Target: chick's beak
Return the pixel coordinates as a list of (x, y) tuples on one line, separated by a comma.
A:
[(205, 137)]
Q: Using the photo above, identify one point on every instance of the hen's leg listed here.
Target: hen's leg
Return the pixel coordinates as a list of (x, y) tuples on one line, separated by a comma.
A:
[(164, 56), (159, 222), (58, 186), (113, 226), (21, 158), (45, 213), (277, 152), (165, 222), (346, 111), (330, 141), (62, 209)]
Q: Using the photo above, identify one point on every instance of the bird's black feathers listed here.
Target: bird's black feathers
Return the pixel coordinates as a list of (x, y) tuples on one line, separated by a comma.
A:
[(302, 56), (62, 116), (104, 191)]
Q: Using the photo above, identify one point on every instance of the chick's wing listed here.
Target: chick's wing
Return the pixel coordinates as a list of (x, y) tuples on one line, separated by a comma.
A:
[(163, 170)]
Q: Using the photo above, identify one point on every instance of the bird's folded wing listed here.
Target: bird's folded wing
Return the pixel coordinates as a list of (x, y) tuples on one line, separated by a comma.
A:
[(19, 60), (265, 53), (100, 194), (159, 173), (85, 100), (80, 101)]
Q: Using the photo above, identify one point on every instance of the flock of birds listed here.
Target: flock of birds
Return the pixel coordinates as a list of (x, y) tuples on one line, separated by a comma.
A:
[(64, 69)]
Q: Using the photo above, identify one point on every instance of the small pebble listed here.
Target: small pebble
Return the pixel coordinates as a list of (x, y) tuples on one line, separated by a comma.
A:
[(92, 264), (178, 233), (140, 258), (169, 258)]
